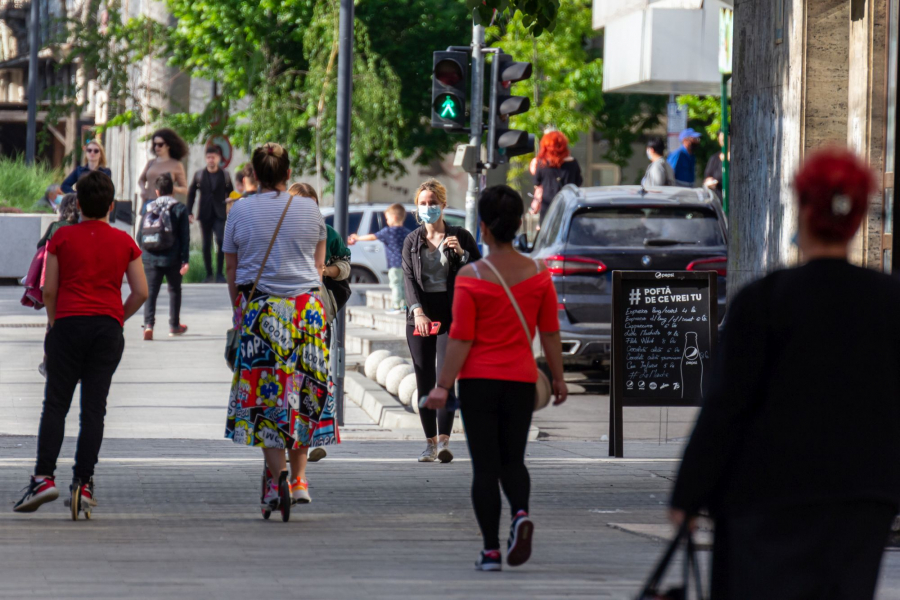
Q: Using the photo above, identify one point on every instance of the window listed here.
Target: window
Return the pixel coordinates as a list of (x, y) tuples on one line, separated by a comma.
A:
[(550, 230), (353, 225), (645, 226)]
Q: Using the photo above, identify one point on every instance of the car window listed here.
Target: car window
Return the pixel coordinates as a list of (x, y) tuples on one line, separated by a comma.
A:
[(550, 228), (627, 226), (353, 225), (409, 222)]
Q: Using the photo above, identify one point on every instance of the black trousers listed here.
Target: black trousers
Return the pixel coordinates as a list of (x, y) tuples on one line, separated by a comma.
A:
[(209, 227), (154, 283), (815, 551), (497, 417), (78, 348), (428, 358)]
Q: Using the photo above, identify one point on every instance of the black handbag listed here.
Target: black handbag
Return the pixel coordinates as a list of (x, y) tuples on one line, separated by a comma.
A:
[(233, 336), (340, 290), (651, 590)]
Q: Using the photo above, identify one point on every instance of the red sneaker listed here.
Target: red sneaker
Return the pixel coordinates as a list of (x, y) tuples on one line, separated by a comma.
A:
[(177, 330), (37, 493)]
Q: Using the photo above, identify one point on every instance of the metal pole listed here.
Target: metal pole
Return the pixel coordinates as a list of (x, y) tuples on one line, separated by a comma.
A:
[(342, 182), (725, 161), (33, 43), (475, 119)]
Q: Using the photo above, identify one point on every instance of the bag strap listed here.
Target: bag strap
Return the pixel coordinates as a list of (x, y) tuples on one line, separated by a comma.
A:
[(512, 299), (269, 249)]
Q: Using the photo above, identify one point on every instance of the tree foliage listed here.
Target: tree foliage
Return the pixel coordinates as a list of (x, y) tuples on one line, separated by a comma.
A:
[(536, 16)]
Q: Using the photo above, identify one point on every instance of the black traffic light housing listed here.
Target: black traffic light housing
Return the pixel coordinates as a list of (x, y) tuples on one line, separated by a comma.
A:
[(448, 90), (504, 143)]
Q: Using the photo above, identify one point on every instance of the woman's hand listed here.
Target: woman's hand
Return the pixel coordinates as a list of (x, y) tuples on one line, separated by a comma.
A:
[(423, 325), (331, 271), (452, 242), (677, 517), (437, 399), (560, 390)]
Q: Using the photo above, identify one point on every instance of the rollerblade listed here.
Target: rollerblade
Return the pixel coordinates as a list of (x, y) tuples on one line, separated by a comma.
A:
[(282, 501), (81, 499)]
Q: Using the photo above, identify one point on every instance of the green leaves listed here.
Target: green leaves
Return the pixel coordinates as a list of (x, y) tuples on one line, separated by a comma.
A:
[(537, 16)]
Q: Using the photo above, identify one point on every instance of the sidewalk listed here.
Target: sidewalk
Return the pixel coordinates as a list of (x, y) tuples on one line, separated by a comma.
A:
[(179, 518)]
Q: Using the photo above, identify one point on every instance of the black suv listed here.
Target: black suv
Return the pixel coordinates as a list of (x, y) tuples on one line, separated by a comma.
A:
[(590, 232)]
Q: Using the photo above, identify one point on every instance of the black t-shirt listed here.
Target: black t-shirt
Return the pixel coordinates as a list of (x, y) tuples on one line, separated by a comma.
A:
[(554, 179)]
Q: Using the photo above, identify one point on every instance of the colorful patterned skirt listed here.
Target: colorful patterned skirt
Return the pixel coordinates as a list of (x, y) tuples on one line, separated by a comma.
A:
[(282, 394)]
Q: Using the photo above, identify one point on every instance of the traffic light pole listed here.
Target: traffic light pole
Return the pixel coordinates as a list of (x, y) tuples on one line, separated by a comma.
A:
[(475, 130)]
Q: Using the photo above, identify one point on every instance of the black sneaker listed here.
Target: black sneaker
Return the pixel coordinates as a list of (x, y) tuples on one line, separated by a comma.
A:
[(489, 560), (221, 279), (518, 548), (209, 279), (37, 493)]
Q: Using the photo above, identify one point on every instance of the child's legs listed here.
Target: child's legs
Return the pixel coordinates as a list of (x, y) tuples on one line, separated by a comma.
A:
[(173, 281), (103, 356), (395, 278), (65, 354), (154, 282)]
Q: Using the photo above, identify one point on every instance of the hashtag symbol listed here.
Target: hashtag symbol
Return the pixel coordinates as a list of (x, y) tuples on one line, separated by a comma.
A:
[(635, 297)]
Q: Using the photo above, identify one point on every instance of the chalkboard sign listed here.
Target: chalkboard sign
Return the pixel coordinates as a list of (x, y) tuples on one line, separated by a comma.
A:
[(664, 330)]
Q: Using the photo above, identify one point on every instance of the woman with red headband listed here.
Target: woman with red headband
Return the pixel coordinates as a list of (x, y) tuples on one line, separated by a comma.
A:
[(554, 168), (796, 452)]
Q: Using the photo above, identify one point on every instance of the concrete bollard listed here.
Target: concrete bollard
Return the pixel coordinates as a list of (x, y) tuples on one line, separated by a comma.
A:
[(408, 389), (395, 376), (385, 366), (373, 360)]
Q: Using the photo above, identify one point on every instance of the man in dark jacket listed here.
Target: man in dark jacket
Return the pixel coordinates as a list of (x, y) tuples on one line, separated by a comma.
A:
[(214, 184), (171, 263)]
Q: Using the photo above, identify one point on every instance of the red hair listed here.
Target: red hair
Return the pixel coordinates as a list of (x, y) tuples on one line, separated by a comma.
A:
[(554, 149), (835, 185)]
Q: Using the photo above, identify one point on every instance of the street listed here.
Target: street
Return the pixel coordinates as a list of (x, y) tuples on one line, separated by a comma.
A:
[(179, 518)]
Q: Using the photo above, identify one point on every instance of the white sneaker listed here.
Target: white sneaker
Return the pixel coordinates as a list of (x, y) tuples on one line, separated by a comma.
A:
[(300, 491), (429, 454), (443, 451)]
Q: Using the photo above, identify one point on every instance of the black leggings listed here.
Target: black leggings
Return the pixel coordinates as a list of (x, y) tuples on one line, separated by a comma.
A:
[(497, 417), (428, 359)]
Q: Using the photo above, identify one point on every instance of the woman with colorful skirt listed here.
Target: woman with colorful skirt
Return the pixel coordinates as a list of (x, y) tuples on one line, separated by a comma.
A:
[(281, 395)]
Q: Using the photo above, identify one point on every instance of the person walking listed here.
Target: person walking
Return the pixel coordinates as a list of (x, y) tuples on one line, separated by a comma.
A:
[(432, 256), (86, 263), (712, 175), (166, 253), (392, 237), (214, 184), (555, 168), (94, 160), (168, 149), (659, 171), (683, 161), (809, 357), (281, 394), (491, 354)]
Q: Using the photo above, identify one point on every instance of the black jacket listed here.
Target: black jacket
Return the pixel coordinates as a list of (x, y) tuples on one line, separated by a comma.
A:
[(412, 264), (212, 197), (805, 400), (180, 252)]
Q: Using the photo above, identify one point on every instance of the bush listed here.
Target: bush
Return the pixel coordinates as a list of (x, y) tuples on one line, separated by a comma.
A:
[(196, 272), (21, 186)]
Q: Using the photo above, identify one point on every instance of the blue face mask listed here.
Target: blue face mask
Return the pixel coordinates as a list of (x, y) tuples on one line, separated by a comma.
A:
[(430, 214)]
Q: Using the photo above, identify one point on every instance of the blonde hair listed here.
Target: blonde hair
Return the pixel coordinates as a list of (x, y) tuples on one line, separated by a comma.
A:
[(397, 210), (97, 143), (305, 190), (435, 187)]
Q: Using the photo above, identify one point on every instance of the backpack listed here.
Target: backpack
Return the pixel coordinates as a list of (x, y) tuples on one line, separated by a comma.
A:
[(157, 232)]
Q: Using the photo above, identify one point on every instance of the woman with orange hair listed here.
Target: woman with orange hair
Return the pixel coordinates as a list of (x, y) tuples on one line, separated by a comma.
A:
[(795, 451), (555, 167)]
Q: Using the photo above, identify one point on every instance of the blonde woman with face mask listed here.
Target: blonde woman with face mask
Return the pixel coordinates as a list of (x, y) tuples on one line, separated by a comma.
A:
[(432, 256)]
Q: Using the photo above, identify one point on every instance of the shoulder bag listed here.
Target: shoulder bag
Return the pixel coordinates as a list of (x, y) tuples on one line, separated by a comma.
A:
[(233, 336), (652, 589), (543, 389)]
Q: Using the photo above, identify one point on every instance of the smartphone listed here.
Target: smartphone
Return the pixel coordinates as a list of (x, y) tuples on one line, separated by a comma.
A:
[(452, 402), (435, 327)]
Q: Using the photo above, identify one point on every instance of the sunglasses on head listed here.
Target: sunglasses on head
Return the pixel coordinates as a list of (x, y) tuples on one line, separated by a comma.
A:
[(93, 151)]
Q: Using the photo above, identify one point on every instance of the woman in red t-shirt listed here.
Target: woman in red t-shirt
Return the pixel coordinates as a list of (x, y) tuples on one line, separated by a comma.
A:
[(491, 355)]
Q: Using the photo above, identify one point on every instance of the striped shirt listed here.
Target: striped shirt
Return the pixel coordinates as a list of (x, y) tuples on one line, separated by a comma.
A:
[(291, 267)]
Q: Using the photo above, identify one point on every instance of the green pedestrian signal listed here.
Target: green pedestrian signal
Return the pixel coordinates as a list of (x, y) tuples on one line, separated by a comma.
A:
[(448, 109)]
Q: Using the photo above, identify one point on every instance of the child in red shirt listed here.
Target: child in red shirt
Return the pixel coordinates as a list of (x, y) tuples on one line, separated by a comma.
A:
[(83, 295)]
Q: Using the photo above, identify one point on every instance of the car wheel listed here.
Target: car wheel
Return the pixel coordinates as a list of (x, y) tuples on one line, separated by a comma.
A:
[(361, 275)]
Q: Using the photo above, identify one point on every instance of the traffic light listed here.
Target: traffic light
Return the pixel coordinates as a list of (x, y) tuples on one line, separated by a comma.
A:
[(448, 90), (503, 143)]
